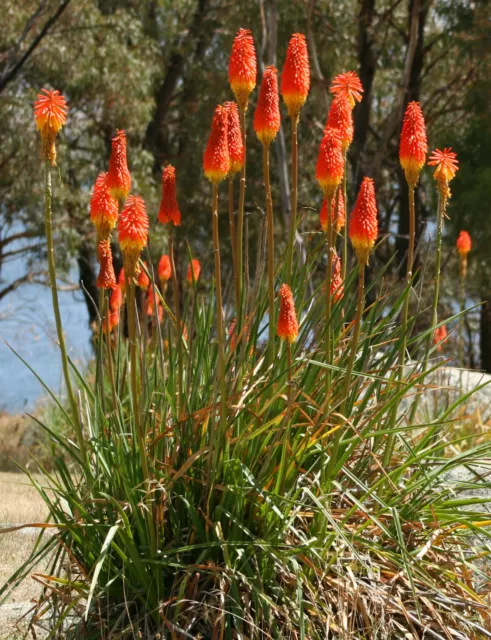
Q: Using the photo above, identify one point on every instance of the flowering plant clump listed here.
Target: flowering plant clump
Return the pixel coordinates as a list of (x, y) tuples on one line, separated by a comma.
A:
[(258, 459)]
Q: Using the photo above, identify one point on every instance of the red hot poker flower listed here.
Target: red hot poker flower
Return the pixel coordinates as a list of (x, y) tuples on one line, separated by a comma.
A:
[(164, 270), (267, 115), (439, 336), (287, 328), (349, 84), (196, 270), (118, 175), (112, 321), (116, 299), (106, 278), (143, 279), (216, 159), (122, 280), (295, 79), (447, 165), (169, 211), (340, 117), (464, 243), (330, 163), (50, 112), (103, 207), (151, 297), (413, 145), (234, 138), (363, 227), (338, 216), (242, 70), (133, 233)]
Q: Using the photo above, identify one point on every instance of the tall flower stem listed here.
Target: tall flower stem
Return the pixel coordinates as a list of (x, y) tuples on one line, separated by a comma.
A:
[(360, 304), (328, 295), (270, 222), (233, 240), (438, 263), (461, 319), (345, 235), (56, 309), (389, 447), (177, 311), (280, 483), (240, 225), (294, 200), (219, 304), (110, 366)]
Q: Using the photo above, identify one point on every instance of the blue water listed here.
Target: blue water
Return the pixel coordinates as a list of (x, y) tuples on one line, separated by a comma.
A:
[(27, 324)]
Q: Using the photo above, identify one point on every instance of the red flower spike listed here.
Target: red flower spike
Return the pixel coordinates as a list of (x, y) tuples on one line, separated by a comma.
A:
[(106, 278), (169, 209), (118, 175), (143, 279), (338, 216), (295, 79), (348, 84), (133, 233), (267, 118), (216, 159), (363, 227), (464, 244), (330, 162), (413, 145), (447, 165), (103, 207), (234, 138), (340, 117), (116, 299), (287, 328), (50, 112), (164, 270), (439, 337), (111, 322), (122, 280), (337, 286), (196, 270), (242, 70)]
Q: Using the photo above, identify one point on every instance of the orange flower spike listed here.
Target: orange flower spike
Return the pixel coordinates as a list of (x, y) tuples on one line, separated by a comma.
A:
[(216, 159), (413, 144), (103, 207), (340, 117), (106, 278), (143, 279), (447, 165), (242, 70), (338, 217), (295, 79), (151, 304), (337, 286), (439, 336), (363, 227), (164, 269), (133, 233), (50, 112), (464, 244), (116, 299), (118, 175), (348, 84), (330, 162), (234, 138), (267, 118), (196, 270), (169, 209), (287, 328)]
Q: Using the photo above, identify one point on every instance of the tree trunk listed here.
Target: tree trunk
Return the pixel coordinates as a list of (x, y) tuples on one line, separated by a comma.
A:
[(88, 278)]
